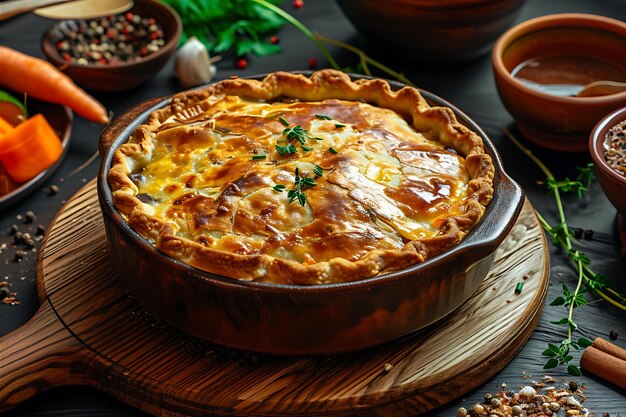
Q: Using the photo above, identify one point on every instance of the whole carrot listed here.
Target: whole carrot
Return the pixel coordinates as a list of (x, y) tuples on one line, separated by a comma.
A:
[(40, 79)]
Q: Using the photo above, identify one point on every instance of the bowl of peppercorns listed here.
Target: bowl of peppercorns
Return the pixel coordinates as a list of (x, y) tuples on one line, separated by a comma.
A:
[(115, 53), (607, 145)]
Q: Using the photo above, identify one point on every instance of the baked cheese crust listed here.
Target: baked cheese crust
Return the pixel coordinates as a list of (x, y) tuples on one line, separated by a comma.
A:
[(302, 180)]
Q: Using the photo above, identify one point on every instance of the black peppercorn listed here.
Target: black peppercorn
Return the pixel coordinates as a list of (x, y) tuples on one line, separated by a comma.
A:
[(588, 234), (613, 335), (4, 292), (19, 255), (29, 217), (41, 230), (18, 238), (13, 230)]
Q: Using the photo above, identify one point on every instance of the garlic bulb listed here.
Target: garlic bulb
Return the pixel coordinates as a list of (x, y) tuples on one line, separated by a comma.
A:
[(193, 65)]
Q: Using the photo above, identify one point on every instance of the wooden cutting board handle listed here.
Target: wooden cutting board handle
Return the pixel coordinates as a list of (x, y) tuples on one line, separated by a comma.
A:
[(40, 355)]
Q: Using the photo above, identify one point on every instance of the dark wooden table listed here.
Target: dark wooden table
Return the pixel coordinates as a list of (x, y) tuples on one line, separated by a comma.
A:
[(468, 86)]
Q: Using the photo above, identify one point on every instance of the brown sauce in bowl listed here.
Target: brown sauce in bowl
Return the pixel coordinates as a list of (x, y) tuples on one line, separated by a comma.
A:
[(568, 69)]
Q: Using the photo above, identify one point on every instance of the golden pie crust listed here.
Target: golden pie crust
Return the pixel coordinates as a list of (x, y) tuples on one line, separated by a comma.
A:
[(206, 181)]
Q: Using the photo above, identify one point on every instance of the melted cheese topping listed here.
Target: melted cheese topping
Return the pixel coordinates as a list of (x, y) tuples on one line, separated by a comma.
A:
[(385, 185)]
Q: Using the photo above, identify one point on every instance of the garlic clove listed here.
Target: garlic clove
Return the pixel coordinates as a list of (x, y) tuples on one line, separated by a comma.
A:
[(193, 64)]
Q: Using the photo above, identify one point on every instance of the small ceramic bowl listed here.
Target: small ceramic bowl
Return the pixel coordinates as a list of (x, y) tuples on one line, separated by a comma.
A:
[(432, 30), (613, 184), (124, 76), (560, 123)]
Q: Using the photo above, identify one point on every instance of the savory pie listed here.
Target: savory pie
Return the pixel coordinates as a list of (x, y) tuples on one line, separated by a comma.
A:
[(302, 180)]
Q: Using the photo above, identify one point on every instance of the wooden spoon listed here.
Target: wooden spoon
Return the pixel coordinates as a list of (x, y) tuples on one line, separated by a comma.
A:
[(65, 9), (601, 88)]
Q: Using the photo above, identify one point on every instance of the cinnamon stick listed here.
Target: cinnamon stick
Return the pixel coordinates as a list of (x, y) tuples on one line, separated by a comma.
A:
[(605, 360)]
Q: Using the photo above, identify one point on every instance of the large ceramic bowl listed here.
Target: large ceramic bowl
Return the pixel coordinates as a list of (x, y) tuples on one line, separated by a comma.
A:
[(127, 75), (560, 123), (613, 184), (289, 319), (432, 30)]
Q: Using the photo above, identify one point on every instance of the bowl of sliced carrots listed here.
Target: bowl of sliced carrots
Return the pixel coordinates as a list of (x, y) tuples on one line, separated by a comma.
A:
[(33, 149), (36, 103), (119, 76)]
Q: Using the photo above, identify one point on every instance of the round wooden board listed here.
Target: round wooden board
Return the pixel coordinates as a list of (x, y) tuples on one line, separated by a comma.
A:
[(89, 331)]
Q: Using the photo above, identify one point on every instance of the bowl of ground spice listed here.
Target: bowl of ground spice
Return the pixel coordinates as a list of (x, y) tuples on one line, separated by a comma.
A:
[(607, 144), (115, 53)]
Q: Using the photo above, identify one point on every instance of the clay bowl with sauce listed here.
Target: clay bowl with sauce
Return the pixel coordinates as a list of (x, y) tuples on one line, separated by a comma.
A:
[(432, 30), (613, 183), (302, 320), (560, 49), (126, 75)]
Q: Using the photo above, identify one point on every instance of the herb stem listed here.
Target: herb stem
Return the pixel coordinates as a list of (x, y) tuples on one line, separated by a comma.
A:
[(365, 59), (585, 274), (298, 25)]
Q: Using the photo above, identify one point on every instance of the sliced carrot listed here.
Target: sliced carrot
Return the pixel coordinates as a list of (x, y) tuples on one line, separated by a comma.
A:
[(5, 127), (40, 79), (29, 148)]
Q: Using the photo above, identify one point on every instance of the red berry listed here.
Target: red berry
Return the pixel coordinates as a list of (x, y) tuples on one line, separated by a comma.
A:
[(242, 63), (297, 4), (103, 61), (128, 16), (66, 57), (144, 51), (151, 21), (153, 35), (312, 63), (274, 40)]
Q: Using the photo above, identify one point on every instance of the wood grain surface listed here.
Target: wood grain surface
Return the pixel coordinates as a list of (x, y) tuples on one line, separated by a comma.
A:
[(89, 331)]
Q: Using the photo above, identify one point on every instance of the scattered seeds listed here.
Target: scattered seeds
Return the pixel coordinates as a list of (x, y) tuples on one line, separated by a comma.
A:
[(29, 217), (53, 189)]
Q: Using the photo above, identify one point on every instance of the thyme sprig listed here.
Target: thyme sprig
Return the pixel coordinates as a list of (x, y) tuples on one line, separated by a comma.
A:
[(297, 192), (588, 279), (299, 134)]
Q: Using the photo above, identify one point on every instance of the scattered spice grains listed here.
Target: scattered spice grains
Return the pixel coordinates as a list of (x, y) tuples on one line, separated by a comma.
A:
[(614, 148), (53, 189), (21, 241), (531, 402), (7, 296)]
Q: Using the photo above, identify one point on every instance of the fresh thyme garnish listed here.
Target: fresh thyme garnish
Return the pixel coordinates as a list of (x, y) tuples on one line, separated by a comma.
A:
[(283, 121), (317, 170), (332, 150), (259, 156), (587, 279), (299, 184), (323, 117), (279, 187), (286, 150), (339, 125), (298, 133)]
